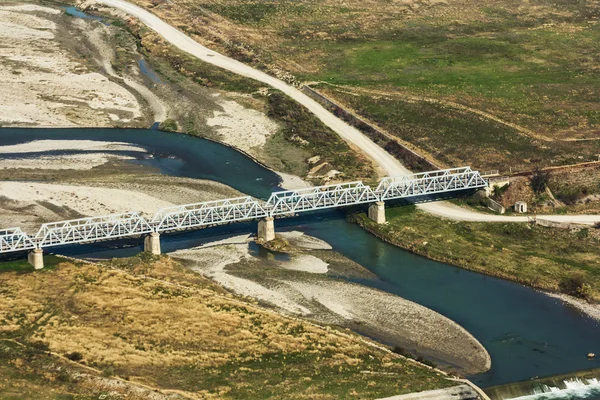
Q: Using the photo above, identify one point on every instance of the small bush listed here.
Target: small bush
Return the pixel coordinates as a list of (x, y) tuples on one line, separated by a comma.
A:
[(576, 285), (568, 195), (169, 125), (74, 356), (402, 351), (539, 180)]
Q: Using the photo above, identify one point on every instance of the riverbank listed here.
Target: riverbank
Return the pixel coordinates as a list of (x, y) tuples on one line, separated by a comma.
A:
[(52, 180), (550, 259), (146, 327), (304, 278)]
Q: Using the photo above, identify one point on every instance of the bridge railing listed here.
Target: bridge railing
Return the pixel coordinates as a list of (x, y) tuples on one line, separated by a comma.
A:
[(208, 213), (92, 229), (284, 203), (14, 239), (319, 198), (427, 183)]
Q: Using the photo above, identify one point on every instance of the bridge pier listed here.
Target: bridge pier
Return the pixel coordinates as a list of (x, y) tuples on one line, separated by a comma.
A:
[(377, 212), (266, 229), (152, 243), (36, 258)]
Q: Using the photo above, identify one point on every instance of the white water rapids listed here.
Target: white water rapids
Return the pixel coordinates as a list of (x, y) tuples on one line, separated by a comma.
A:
[(575, 388)]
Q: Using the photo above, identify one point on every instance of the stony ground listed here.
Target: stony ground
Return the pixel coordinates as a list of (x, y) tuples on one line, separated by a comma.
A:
[(303, 284), (48, 77)]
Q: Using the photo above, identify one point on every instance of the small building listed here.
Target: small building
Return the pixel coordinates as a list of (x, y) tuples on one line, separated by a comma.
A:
[(520, 207)]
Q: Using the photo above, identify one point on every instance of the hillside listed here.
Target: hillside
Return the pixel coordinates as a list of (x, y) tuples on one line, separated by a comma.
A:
[(148, 328), (491, 84)]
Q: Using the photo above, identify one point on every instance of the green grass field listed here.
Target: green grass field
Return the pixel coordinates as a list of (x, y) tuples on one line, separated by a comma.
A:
[(537, 256), (530, 64)]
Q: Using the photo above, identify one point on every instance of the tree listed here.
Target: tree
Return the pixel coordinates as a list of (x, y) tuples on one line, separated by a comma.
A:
[(575, 285), (539, 180)]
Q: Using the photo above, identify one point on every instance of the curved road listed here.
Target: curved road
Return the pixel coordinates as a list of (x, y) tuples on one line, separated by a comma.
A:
[(383, 159)]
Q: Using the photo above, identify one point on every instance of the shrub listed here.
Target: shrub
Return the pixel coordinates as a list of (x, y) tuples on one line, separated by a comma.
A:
[(576, 285), (568, 195), (539, 180), (74, 356), (169, 125)]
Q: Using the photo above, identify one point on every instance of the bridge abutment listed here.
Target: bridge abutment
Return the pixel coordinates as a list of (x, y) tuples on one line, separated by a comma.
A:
[(152, 243), (36, 258), (377, 212), (266, 229)]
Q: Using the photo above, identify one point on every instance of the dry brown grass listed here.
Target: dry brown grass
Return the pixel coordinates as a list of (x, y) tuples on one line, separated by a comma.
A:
[(155, 323)]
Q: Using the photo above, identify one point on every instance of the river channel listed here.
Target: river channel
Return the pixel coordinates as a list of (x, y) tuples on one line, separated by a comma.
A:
[(527, 333)]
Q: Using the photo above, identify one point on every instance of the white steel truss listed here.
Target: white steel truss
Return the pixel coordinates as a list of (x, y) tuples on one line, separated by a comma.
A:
[(14, 239), (208, 213), (285, 203), (92, 229), (427, 183), (319, 198)]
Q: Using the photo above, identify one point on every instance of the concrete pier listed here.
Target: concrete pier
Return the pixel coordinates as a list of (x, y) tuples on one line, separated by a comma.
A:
[(377, 212), (152, 243), (36, 258), (266, 229)]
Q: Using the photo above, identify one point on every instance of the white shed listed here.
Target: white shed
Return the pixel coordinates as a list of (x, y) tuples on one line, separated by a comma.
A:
[(521, 207)]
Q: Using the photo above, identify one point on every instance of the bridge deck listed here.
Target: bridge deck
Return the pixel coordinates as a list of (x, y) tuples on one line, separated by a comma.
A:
[(284, 203)]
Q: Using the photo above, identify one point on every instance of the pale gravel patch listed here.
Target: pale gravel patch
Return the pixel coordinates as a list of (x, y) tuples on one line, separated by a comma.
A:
[(293, 182), (86, 200), (42, 85), (107, 56), (591, 310), (37, 146), (394, 316), (211, 261), (300, 239), (306, 263), (63, 162), (30, 7), (242, 127)]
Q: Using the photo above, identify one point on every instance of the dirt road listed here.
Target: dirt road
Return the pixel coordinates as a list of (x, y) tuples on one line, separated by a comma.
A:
[(383, 159)]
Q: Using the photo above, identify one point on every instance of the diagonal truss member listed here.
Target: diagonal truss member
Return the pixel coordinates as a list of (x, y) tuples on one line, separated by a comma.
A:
[(14, 239), (208, 213), (319, 198), (92, 229), (428, 183)]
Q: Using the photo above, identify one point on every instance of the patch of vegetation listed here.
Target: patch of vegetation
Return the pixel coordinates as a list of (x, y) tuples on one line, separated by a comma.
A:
[(245, 13), (303, 128), (576, 285), (546, 258), (571, 187), (166, 56), (23, 266), (106, 318), (169, 125), (539, 180), (451, 136), (533, 67)]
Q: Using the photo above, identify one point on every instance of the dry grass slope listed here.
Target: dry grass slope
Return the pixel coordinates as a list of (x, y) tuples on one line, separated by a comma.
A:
[(157, 325)]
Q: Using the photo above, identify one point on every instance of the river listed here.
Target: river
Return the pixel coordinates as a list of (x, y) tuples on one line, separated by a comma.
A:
[(527, 333)]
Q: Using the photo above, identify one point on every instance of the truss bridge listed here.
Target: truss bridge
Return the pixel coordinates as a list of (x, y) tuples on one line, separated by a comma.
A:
[(280, 204)]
